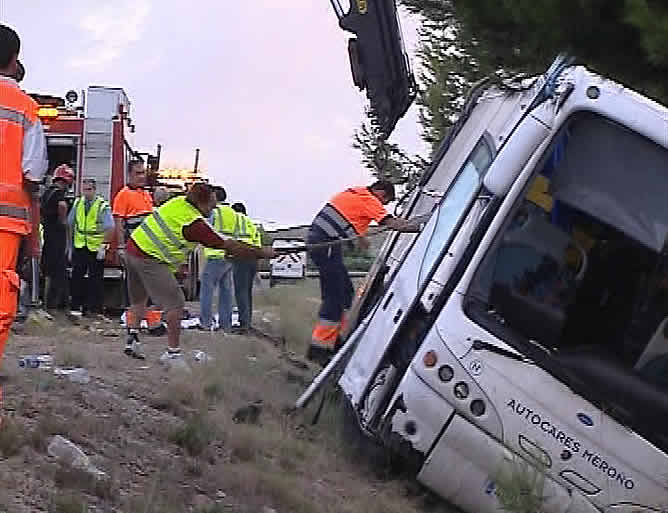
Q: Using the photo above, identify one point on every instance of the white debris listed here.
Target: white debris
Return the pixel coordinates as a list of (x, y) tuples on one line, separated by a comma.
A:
[(78, 375), (68, 453)]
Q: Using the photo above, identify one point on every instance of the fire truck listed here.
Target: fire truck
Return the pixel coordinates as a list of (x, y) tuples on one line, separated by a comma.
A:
[(92, 133)]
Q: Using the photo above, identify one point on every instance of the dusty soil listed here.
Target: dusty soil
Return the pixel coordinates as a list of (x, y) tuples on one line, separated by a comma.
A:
[(219, 439)]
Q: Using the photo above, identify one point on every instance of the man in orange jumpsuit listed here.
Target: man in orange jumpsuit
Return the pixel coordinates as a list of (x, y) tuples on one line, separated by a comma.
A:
[(22, 167), (347, 215)]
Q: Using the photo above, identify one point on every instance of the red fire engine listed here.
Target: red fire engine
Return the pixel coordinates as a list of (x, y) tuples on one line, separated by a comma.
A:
[(92, 134)]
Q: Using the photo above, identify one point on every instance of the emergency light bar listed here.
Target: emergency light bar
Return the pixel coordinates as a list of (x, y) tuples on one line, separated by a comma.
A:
[(47, 112)]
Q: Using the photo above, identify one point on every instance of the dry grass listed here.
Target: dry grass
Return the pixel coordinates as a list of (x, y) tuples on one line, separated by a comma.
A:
[(297, 306), (520, 487), (167, 439), (70, 358), (78, 480), (70, 503), (194, 435), (47, 426), (11, 438)]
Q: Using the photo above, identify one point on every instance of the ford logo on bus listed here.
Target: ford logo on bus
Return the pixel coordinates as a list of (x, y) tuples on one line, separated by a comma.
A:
[(585, 419)]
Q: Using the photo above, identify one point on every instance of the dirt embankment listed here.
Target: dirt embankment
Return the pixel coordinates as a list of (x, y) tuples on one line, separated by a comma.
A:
[(219, 439)]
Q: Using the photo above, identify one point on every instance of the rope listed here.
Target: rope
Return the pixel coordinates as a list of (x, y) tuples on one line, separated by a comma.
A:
[(338, 242)]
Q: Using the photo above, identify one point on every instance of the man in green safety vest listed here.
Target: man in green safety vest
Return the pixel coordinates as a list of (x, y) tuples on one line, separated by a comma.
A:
[(245, 270), (92, 226), (158, 248), (217, 272)]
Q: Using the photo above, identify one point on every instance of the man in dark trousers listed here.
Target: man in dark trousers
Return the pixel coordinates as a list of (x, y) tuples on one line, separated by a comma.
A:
[(54, 219), (245, 270), (347, 215), (92, 228)]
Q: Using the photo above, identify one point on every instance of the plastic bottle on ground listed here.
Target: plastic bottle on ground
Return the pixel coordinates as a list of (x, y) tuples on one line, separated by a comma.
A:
[(36, 361)]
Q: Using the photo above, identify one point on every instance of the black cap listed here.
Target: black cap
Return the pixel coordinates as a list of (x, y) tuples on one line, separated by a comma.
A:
[(10, 44)]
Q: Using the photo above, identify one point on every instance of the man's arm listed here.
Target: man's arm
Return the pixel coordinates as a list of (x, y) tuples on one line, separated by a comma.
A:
[(34, 161), (201, 232), (63, 217), (118, 211), (108, 225), (70, 216), (402, 225), (62, 212), (119, 232)]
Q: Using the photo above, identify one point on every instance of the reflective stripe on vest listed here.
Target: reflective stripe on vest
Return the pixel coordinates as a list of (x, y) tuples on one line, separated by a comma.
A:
[(247, 230), (170, 234), (330, 221), (88, 226), (158, 244), (15, 117), (17, 113), (226, 224), (15, 212), (161, 233)]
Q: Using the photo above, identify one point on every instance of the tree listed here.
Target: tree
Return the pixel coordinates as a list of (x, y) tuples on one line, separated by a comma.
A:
[(626, 40), (450, 62), (386, 160)]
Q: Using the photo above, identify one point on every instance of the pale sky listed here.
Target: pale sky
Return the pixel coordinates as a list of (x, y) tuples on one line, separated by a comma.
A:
[(262, 87)]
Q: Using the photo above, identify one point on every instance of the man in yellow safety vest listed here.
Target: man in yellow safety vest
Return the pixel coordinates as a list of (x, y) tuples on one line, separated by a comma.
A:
[(218, 269), (245, 270), (158, 248), (92, 228)]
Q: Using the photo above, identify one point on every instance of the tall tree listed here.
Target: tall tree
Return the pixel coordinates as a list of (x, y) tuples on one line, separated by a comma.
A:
[(385, 159), (450, 60), (626, 40)]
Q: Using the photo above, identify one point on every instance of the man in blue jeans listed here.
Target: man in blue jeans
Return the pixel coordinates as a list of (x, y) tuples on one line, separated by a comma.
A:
[(218, 269), (244, 271)]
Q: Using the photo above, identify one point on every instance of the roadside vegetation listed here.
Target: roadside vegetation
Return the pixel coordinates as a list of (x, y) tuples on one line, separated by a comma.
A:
[(223, 438)]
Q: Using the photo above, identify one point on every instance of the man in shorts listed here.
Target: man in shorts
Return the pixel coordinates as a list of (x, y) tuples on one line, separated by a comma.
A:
[(158, 248)]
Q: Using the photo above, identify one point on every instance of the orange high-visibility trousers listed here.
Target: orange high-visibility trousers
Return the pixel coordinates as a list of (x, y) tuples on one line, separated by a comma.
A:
[(9, 284), (325, 334)]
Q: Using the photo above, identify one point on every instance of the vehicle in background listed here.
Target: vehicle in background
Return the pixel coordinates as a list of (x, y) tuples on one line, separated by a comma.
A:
[(289, 266)]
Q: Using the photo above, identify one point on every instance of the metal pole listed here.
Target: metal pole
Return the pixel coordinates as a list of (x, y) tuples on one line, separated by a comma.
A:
[(196, 160), (157, 155), (321, 378)]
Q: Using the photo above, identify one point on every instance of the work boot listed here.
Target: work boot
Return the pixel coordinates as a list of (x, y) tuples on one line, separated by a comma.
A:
[(133, 346), (174, 359), (319, 355)]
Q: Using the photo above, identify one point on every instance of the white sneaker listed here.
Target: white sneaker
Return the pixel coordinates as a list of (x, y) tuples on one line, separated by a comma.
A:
[(133, 347), (174, 360), (75, 316)]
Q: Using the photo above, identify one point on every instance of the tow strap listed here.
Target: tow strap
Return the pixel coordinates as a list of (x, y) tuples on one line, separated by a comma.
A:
[(338, 242)]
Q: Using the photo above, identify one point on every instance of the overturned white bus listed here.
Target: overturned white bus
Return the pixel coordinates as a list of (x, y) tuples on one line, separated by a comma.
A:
[(528, 322)]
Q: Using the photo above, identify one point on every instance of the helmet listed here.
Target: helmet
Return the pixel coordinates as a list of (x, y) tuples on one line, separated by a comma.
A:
[(65, 173)]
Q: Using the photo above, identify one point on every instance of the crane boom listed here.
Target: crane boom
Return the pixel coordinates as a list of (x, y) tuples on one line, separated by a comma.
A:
[(378, 58)]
